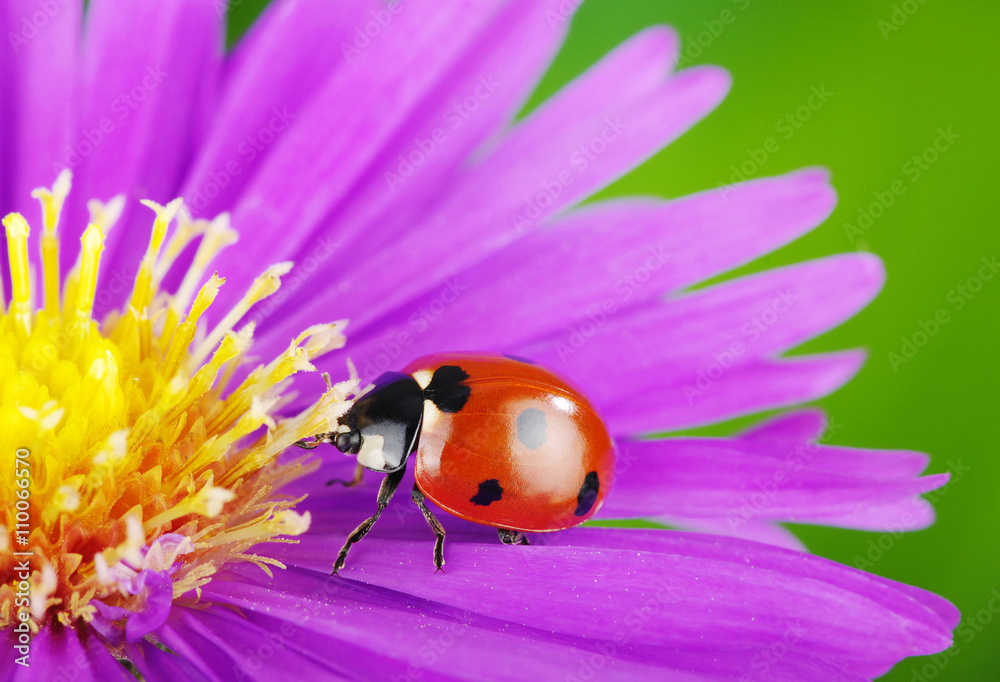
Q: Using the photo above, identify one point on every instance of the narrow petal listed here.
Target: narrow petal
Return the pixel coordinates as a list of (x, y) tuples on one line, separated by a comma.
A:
[(141, 64), (738, 482), (478, 217), (340, 131), (616, 254), (42, 46), (276, 70)]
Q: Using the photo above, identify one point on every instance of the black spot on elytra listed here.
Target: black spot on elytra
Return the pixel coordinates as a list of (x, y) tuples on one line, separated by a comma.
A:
[(588, 494), (531, 428), (446, 389), (517, 358), (489, 492)]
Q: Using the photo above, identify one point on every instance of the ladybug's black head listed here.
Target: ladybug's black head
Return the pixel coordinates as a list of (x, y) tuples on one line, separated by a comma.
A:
[(383, 425)]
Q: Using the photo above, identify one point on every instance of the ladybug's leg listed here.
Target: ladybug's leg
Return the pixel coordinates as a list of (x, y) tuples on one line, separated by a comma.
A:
[(418, 498), (385, 493), (314, 443), (512, 537), (359, 472)]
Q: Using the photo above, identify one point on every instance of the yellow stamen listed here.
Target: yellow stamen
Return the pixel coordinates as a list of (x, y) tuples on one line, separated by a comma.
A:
[(135, 435), (52, 203), (90, 262), (143, 292), (265, 285), (20, 270)]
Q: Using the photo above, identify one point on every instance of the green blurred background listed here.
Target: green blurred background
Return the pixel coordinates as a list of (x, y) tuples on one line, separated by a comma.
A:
[(898, 72)]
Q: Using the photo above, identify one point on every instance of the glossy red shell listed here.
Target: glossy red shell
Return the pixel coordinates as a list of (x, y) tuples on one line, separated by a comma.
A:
[(527, 451)]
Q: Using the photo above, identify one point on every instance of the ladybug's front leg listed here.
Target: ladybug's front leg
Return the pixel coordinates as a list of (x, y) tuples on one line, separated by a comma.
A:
[(385, 493), (512, 537), (418, 498)]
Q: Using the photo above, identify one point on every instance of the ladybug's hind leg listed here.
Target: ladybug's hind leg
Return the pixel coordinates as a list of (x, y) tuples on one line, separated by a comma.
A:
[(418, 498), (512, 537), (385, 493)]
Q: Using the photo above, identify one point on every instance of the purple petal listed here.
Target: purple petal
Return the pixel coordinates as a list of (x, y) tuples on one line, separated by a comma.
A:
[(739, 481), (799, 426), (274, 72), (755, 592), (147, 78), (476, 217), (343, 128), (58, 651), (616, 255), (418, 637), (37, 77), (690, 344)]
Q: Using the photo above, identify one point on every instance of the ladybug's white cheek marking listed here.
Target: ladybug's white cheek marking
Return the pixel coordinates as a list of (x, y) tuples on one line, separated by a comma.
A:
[(423, 378), (371, 455)]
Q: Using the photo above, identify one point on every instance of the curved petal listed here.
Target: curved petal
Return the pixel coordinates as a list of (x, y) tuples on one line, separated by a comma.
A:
[(419, 637), (756, 593)]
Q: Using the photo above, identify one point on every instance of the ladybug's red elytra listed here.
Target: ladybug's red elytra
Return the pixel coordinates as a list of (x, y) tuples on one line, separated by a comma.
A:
[(499, 441)]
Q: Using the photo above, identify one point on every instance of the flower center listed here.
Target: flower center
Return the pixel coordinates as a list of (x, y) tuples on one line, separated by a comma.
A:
[(130, 457)]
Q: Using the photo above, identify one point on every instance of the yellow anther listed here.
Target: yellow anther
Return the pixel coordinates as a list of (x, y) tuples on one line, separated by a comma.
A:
[(265, 285), (145, 286), (20, 269), (218, 235), (90, 262), (52, 204)]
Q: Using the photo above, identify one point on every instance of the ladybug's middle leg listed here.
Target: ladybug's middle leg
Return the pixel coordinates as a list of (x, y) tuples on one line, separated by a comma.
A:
[(385, 493), (418, 498)]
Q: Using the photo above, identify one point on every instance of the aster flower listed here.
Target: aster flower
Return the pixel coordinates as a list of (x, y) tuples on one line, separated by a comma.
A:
[(169, 523)]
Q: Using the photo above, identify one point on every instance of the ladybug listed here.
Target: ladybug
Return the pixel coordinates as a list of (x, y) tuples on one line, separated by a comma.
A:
[(498, 440)]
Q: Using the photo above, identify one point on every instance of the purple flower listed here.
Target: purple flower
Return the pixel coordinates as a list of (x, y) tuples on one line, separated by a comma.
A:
[(372, 144)]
